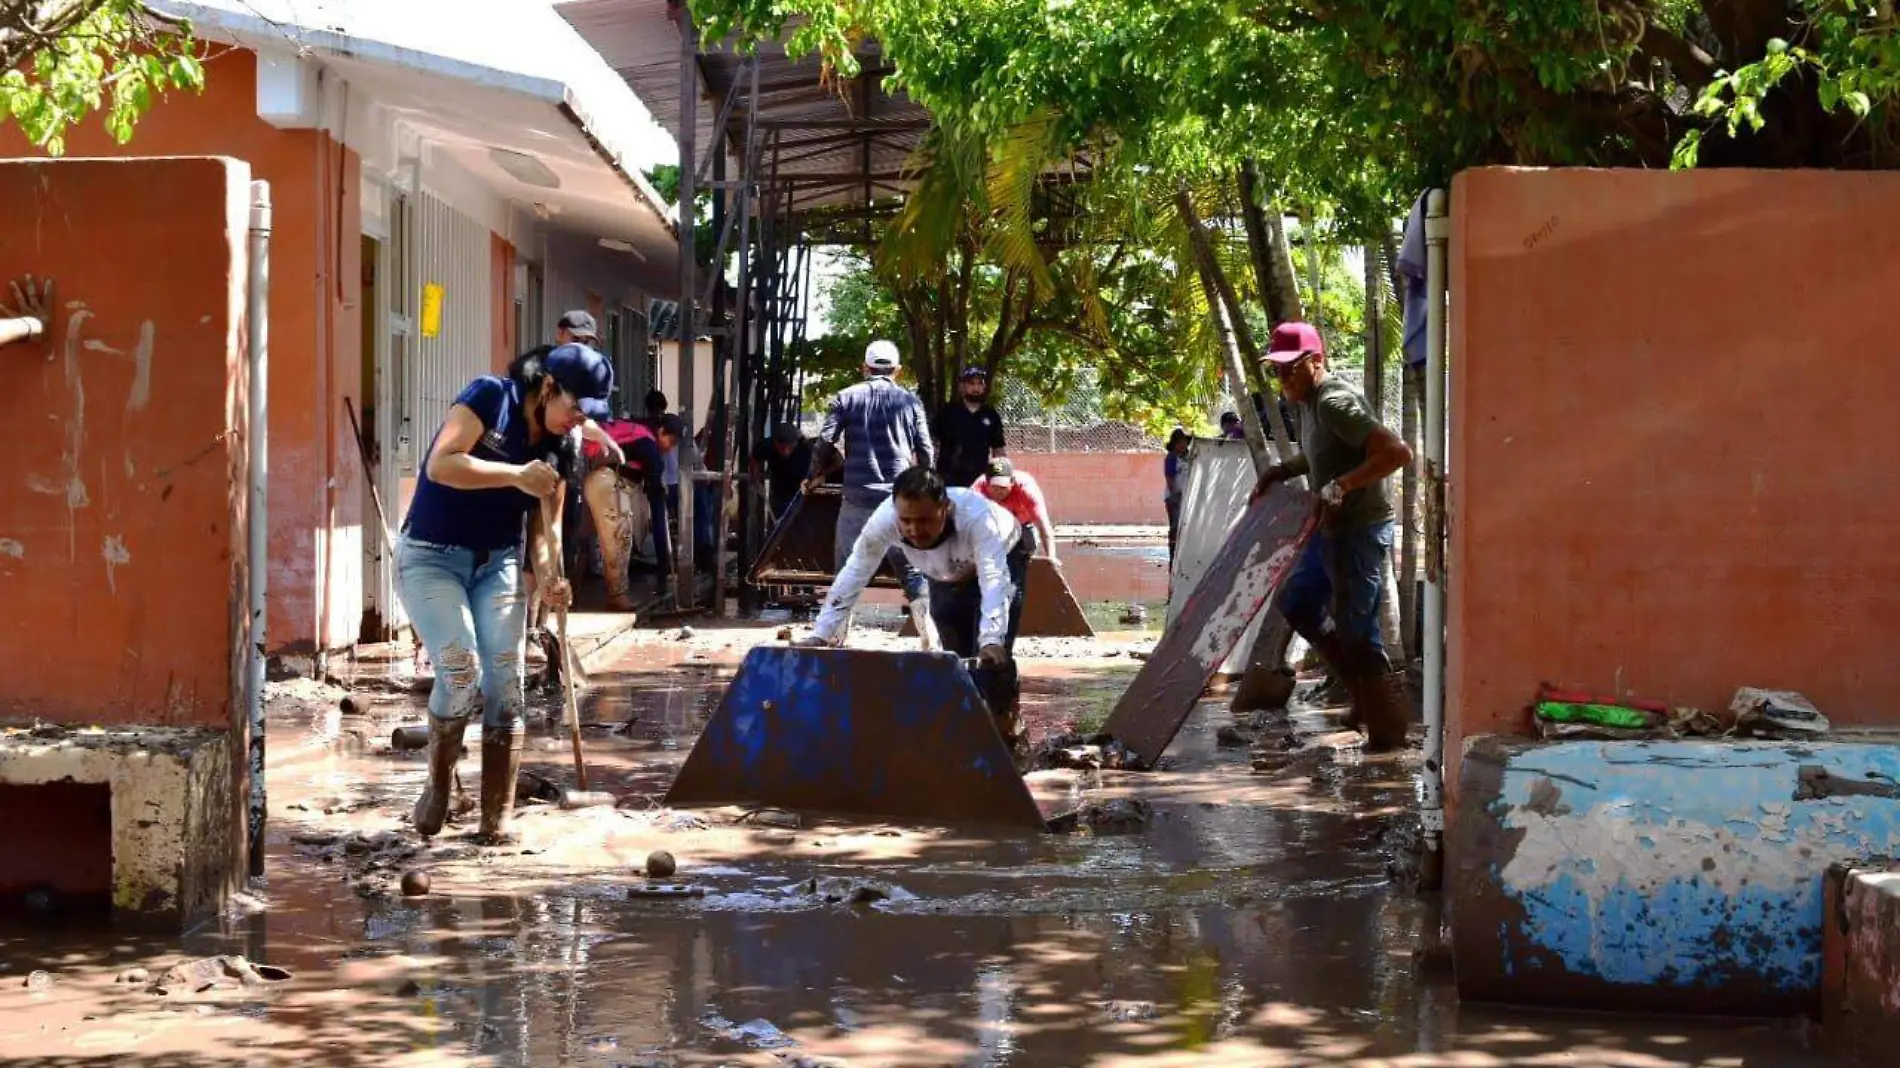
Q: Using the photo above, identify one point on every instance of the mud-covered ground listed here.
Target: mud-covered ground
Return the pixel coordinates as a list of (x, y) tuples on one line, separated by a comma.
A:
[(1249, 921)]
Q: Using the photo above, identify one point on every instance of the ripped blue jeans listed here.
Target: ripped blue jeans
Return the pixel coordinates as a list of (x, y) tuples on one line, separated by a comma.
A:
[(470, 611)]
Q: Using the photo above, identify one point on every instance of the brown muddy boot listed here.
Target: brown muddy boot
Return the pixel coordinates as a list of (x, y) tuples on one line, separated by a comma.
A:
[(501, 766), (1388, 714), (445, 748)]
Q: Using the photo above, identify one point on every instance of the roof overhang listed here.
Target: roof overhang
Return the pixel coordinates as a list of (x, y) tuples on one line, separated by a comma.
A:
[(506, 89)]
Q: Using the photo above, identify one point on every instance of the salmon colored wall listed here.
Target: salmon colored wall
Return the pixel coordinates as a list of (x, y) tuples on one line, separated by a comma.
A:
[(1672, 427), (122, 536), (501, 302), (315, 340), (1118, 488)]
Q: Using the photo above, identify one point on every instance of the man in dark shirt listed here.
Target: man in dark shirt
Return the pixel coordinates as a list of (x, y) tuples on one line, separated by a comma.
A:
[(1332, 596), (968, 431), (783, 461)]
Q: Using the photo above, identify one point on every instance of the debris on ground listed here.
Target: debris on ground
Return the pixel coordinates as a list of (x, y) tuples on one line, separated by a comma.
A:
[(223, 972), (1779, 714), (835, 890), (770, 817), (1135, 615), (1232, 737), (134, 976), (1139, 654), (1121, 815), (1098, 752), (534, 786), (666, 890), (39, 982), (1126, 1011), (686, 634), (785, 634), (661, 865), (415, 883), (759, 1034), (1402, 844)]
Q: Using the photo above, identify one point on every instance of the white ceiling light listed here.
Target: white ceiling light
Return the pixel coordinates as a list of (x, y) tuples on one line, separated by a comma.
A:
[(524, 168)]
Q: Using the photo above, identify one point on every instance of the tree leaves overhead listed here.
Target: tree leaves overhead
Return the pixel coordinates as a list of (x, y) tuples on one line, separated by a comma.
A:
[(1360, 103), (65, 59)]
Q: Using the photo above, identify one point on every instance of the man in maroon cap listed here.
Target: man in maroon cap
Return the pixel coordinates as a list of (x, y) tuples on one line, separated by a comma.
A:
[(1332, 596)]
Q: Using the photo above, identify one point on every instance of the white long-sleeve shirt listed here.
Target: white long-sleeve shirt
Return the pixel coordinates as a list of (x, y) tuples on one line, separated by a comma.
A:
[(979, 541)]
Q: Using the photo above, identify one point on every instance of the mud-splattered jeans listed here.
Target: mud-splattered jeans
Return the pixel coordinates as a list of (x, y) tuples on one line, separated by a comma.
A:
[(469, 609)]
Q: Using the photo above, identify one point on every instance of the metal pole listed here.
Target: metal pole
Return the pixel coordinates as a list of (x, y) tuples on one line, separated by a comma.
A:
[(683, 563), (1432, 778), (257, 512)]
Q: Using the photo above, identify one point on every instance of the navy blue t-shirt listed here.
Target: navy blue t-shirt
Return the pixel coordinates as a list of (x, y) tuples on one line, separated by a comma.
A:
[(488, 519)]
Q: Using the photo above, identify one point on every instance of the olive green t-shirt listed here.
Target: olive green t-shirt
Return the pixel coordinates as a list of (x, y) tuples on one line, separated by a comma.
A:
[(1335, 422)]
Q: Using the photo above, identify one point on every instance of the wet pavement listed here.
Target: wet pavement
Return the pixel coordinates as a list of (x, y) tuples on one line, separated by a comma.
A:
[(1252, 923)]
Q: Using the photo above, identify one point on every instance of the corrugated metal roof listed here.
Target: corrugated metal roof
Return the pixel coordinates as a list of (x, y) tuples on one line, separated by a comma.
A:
[(838, 142)]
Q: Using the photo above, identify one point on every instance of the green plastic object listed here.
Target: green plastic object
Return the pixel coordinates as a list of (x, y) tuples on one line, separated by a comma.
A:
[(1599, 715)]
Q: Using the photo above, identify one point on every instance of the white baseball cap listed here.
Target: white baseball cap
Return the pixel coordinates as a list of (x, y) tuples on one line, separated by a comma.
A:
[(881, 355)]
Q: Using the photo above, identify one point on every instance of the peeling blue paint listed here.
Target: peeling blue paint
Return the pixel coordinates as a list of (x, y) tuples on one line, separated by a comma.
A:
[(1684, 865)]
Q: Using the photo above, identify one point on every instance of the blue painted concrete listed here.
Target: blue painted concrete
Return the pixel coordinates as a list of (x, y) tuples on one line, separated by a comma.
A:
[(898, 734), (1686, 866)]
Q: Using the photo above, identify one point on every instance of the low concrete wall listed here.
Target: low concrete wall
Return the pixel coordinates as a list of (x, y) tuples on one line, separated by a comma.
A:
[(1658, 876), (1618, 525), (122, 531), (1106, 488), (1860, 970), (172, 821)]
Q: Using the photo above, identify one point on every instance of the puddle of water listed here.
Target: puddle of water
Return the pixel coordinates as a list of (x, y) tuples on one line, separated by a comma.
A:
[(1251, 924)]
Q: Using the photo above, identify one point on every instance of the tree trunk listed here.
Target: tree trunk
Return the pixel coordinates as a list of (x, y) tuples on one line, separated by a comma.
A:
[(1375, 333), (1266, 243), (1309, 234), (1213, 281)]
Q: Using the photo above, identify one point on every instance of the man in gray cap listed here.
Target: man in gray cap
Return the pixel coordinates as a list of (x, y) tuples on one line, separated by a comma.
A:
[(579, 327), (883, 432)]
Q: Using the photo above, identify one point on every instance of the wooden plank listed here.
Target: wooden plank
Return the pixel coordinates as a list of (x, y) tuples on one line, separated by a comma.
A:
[(1247, 573)]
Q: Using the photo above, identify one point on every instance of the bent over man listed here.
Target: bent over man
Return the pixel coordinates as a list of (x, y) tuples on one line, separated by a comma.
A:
[(1332, 597), (975, 558)]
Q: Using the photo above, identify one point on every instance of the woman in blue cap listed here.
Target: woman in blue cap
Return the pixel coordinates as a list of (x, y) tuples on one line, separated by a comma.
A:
[(496, 466)]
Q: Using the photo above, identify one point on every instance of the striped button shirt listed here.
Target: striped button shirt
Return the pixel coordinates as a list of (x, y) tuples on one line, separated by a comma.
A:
[(881, 427)]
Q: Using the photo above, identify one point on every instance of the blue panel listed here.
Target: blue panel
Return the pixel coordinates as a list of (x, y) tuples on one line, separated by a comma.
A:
[(891, 734), (1688, 865)]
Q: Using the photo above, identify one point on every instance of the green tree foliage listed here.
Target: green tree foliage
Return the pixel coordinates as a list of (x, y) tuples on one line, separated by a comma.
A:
[(1357, 103), (65, 59)]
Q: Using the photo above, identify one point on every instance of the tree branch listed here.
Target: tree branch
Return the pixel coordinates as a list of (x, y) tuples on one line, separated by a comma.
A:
[(1691, 64)]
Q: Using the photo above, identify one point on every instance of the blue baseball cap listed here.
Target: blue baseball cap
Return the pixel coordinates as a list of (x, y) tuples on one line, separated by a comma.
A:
[(597, 410), (583, 372)]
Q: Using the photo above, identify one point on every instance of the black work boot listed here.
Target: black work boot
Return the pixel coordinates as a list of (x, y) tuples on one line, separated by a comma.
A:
[(445, 748), (501, 766)]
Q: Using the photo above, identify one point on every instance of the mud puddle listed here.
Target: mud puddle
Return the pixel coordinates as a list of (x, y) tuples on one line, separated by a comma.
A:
[(1250, 922)]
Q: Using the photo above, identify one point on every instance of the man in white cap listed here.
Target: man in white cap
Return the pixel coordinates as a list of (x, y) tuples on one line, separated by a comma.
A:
[(882, 430)]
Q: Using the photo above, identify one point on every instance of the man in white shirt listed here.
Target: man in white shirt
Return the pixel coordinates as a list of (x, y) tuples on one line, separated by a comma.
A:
[(972, 552)]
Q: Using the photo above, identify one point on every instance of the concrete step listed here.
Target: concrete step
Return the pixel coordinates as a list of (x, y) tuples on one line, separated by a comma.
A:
[(1860, 960)]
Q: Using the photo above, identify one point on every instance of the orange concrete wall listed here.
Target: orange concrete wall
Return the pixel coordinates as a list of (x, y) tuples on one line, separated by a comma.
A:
[(1120, 488), (122, 536), (501, 270), (1672, 427), (315, 339)]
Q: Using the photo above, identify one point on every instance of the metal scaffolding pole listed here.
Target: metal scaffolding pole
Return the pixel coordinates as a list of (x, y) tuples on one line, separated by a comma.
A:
[(688, 319)]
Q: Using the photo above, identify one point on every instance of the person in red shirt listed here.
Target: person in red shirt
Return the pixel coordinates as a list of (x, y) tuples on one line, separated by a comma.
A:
[(1017, 492)]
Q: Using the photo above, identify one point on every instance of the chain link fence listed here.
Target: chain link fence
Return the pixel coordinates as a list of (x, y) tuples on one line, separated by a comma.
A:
[(1076, 423)]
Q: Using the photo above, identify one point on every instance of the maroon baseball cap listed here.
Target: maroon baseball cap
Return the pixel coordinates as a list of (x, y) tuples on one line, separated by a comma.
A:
[(1292, 341)]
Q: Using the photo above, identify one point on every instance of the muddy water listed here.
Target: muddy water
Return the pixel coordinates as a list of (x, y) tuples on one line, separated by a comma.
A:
[(1251, 924), (1117, 569)]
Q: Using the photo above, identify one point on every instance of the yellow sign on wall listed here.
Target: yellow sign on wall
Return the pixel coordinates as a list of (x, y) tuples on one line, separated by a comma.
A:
[(431, 309)]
